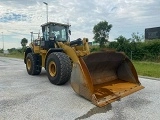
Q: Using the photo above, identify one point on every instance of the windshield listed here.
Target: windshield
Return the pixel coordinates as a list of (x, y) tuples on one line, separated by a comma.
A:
[(59, 32)]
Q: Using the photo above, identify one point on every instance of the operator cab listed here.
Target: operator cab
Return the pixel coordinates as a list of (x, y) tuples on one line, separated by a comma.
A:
[(54, 32)]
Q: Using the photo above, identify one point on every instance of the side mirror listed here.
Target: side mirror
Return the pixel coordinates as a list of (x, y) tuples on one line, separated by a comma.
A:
[(70, 32)]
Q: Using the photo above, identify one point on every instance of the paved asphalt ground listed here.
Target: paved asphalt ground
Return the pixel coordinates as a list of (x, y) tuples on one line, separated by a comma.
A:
[(24, 97)]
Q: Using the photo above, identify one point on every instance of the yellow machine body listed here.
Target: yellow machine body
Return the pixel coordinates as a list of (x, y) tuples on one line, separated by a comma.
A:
[(101, 77)]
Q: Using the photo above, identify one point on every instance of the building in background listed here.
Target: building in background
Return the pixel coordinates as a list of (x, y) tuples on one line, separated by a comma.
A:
[(152, 33)]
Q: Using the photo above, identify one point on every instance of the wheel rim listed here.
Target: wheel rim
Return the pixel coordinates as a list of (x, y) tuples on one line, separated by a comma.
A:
[(52, 68), (28, 64)]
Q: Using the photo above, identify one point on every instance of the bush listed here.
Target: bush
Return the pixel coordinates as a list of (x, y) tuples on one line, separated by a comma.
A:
[(148, 51)]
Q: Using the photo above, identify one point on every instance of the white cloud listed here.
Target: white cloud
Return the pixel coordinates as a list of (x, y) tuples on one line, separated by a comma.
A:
[(126, 16)]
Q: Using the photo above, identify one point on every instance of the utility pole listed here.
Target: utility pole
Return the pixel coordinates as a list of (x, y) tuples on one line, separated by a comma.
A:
[(46, 10), (3, 42)]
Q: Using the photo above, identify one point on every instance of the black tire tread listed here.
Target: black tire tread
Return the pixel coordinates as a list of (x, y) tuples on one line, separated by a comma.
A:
[(34, 70), (65, 67)]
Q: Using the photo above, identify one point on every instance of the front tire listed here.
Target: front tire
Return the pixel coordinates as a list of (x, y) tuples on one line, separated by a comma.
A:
[(58, 68), (31, 64)]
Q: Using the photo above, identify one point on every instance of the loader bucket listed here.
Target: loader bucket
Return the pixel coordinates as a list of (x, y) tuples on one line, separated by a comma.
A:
[(104, 77)]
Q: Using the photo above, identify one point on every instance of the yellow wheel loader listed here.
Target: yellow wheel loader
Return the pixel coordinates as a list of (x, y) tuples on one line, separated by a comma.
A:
[(101, 77)]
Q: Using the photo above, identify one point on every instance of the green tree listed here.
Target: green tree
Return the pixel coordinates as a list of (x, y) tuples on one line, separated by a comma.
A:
[(24, 42), (11, 50), (1, 50), (101, 33), (121, 40), (113, 45), (123, 45), (136, 37)]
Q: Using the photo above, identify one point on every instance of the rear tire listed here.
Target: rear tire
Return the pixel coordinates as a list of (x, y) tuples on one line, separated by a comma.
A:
[(58, 67), (31, 64)]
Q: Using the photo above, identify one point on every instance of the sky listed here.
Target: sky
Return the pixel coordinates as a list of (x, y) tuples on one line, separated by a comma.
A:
[(20, 17)]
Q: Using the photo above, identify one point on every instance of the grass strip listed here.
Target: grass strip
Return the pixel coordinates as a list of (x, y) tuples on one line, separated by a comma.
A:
[(150, 69)]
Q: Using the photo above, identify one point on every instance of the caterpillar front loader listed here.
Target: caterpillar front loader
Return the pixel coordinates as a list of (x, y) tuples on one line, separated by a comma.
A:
[(101, 77)]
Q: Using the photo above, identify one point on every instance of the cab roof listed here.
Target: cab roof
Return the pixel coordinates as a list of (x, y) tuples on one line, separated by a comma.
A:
[(46, 24)]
